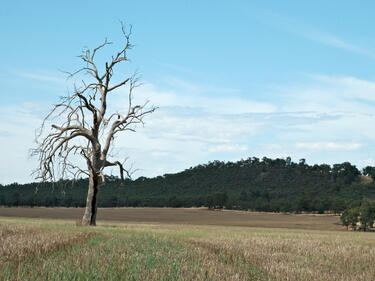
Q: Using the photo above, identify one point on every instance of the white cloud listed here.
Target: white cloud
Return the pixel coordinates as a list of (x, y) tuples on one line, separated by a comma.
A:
[(328, 146), (331, 95), (228, 148), (187, 126), (192, 97), (18, 124), (327, 120)]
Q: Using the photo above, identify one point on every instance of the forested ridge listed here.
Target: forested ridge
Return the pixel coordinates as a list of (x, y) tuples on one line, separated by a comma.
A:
[(277, 185)]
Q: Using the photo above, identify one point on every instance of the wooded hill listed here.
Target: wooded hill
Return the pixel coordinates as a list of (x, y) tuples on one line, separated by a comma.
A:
[(278, 185)]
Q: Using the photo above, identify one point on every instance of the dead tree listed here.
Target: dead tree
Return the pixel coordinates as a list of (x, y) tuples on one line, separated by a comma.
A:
[(80, 126)]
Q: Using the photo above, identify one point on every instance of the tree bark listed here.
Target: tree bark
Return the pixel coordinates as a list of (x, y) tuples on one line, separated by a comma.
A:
[(89, 217)]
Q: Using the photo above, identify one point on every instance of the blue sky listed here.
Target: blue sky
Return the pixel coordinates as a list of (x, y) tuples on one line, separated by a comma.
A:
[(231, 79)]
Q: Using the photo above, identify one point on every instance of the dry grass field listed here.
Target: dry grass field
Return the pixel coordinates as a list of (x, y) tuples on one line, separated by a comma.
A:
[(46, 249), (19, 242), (196, 216), (148, 244)]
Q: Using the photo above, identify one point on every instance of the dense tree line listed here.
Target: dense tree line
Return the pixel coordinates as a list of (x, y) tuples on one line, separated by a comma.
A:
[(277, 185)]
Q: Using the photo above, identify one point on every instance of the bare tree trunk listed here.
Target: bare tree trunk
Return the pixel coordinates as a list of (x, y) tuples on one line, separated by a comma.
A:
[(89, 217)]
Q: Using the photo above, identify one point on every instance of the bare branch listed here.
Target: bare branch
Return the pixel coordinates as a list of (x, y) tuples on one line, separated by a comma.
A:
[(121, 168), (76, 127)]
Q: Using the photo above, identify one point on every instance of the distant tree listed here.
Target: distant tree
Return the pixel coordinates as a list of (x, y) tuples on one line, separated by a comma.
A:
[(243, 195), (112, 201), (302, 203), (220, 199), (366, 214), (344, 218), (325, 169), (285, 206), (261, 204), (345, 172), (217, 200), (361, 214), (16, 199), (229, 204), (319, 207), (338, 205), (288, 161), (369, 171), (353, 216), (210, 203), (173, 201)]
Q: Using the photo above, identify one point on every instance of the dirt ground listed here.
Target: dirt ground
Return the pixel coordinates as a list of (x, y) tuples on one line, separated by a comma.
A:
[(197, 216)]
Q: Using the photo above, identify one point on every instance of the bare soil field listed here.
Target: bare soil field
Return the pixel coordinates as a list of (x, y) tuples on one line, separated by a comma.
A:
[(195, 216)]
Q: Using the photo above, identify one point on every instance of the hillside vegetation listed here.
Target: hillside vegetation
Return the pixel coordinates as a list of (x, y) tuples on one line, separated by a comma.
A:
[(278, 185)]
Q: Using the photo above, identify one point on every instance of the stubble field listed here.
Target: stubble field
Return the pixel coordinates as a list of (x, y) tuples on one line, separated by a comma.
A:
[(196, 216), (55, 249)]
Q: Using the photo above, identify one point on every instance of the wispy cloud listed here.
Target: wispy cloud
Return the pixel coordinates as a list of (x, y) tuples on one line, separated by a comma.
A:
[(41, 77), (192, 96), (327, 39), (311, 33), (333, 41)]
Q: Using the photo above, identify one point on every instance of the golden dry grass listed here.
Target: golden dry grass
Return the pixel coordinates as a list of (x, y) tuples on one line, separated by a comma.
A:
[(282, 254), (19, 242), (300, 256), (135, 251), (279, 254)]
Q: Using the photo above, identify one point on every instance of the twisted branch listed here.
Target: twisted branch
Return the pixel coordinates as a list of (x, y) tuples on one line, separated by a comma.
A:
[(78, 121)]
